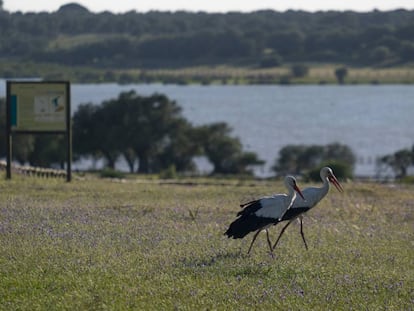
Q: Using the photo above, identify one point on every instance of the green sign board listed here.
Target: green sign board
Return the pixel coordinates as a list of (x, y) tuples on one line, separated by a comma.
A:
[(38, 106)]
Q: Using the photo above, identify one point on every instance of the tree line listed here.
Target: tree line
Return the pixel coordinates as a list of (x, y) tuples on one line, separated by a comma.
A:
[(75, 36), (148, 132), (152, 136)]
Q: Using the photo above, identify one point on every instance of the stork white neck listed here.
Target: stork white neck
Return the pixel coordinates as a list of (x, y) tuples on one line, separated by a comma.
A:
[(326, 182)]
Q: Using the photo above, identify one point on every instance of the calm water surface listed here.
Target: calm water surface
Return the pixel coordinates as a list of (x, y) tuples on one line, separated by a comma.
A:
[(373, 120)]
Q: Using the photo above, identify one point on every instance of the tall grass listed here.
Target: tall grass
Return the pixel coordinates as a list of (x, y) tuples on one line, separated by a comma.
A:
[(104, 245)]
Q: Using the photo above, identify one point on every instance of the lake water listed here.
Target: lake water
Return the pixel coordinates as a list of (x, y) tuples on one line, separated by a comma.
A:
[(373, 120)]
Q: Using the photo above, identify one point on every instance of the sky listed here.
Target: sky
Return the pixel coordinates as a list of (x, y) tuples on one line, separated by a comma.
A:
[(121, 6)]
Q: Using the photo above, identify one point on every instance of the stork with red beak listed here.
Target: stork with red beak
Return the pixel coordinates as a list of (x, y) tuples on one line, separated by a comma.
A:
[(313, 196), (260, 214)]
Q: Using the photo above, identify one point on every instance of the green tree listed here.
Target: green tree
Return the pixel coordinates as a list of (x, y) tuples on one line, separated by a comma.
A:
[(179, 148), (93, 134), (246, 160), (48, 150), (311, 156), (407, 51), (148, 130), (145, 124), (161, 39), (412, 155), (399, 161), (341, 170), (152, 131), (22, 146), (299, 159), (225, 152), (340, 74), (339, 152), (299, 70), (272, 60), (288, 161), (286, 43), (380, 54)]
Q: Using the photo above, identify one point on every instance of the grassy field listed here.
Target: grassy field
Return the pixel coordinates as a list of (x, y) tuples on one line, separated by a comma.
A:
[(220, 74), (318, 74), (97, 244)]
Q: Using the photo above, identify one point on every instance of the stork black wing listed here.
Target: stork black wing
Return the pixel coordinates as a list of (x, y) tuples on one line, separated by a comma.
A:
[(249, 208), (247, 223), (294, 212)]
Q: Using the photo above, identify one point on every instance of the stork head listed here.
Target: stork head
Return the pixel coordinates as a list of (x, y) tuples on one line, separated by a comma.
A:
[(290, 183), (327, 173)]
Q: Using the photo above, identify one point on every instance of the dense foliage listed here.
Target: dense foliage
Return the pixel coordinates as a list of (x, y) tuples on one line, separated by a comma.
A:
[(308, 159), (153, 137), (150, 133), (398, 162), (74, 36)]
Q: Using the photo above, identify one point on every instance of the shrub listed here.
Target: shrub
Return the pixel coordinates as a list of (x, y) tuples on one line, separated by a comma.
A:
[(340, 74), (341, 170), (299, 70), (169, 173), (271, 61), (111, 173), (408, 180)]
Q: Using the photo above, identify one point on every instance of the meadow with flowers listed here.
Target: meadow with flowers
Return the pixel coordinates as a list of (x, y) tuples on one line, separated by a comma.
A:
[(149, 244)]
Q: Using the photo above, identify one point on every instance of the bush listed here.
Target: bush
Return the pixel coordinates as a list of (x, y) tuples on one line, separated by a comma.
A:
[(340, 74), (271, 61), (284, 80), (408, 180), (300, 159), (169, 173), (341, 170), (299, 70), (111, 173)]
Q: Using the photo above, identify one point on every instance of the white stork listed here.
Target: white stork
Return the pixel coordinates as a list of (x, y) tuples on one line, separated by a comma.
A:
[(313, 196), (260, 214)]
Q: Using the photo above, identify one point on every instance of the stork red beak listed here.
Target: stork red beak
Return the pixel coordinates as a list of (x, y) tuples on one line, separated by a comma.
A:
[(336, 183), (299, 192)]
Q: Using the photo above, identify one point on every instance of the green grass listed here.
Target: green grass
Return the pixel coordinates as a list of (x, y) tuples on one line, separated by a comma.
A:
[(97, 244)]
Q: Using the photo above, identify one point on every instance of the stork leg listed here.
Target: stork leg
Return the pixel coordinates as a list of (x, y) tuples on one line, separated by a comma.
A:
[(269, 243), (301, 233), (281, 233), (254, 239)]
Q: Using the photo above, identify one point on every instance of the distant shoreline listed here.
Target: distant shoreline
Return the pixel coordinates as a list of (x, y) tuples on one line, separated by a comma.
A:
[(317, 74)]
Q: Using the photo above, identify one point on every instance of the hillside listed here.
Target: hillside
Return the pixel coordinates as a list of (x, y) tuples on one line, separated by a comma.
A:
[(74, 37)]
